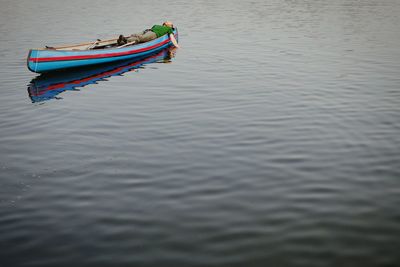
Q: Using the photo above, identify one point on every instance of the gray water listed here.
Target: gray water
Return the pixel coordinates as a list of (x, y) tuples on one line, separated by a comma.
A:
[(271, 139)]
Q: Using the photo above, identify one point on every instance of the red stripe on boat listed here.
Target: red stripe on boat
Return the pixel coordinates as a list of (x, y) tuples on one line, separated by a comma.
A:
[(117, 54)]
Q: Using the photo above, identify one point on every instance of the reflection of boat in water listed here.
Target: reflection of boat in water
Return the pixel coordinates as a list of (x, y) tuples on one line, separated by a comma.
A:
[(48, 85)]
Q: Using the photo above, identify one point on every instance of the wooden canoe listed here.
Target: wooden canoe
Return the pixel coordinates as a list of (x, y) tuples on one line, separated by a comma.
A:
[(73, 56)]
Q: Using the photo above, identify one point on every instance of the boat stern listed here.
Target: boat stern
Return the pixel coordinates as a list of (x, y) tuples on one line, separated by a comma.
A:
[(30, 63)]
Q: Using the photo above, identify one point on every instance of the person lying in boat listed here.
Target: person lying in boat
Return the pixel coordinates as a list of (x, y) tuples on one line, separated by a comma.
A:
[(150, 34)]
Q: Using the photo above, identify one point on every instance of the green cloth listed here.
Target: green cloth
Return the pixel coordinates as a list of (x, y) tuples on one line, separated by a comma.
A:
[(161, 30)]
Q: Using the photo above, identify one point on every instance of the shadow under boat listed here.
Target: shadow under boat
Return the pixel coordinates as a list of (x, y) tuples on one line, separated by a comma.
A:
[(48, 85)]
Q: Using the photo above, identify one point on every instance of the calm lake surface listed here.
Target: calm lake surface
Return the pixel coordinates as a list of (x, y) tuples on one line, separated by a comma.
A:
[(272, 138)]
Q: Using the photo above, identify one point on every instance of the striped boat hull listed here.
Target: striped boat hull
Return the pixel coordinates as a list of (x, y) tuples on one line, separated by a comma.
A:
[(46, 60)]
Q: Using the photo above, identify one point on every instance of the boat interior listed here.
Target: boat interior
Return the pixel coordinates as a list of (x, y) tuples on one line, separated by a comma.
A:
[(98, 44)]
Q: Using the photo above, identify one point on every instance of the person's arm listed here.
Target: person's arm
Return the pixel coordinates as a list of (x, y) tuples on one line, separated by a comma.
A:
[(173, 40)]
